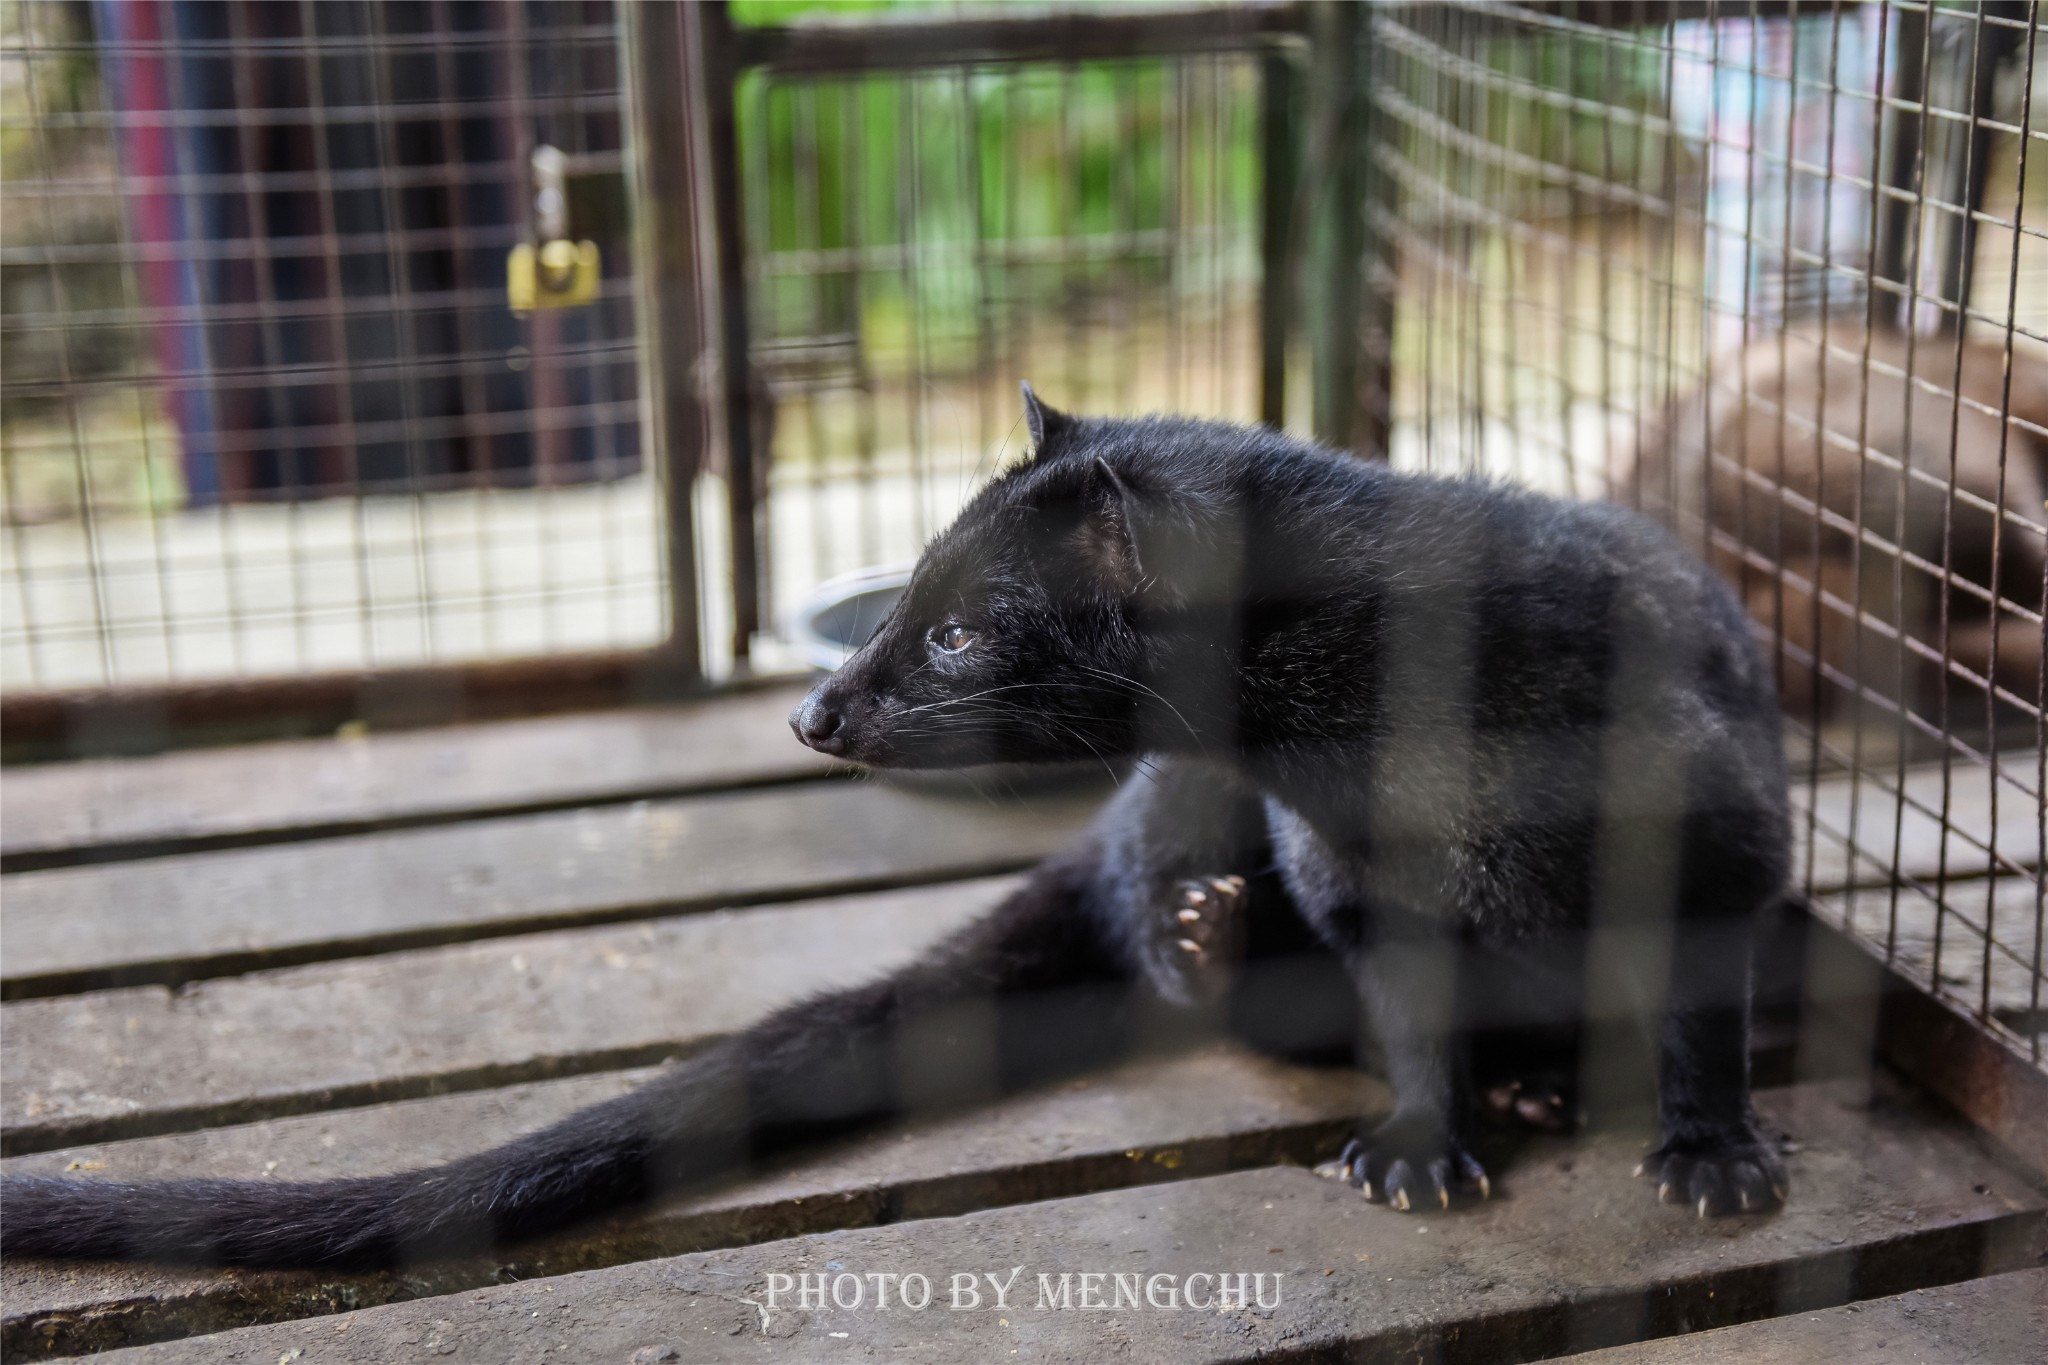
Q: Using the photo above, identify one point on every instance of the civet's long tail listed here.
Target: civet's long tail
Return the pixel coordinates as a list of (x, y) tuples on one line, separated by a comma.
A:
[(1029, 992)]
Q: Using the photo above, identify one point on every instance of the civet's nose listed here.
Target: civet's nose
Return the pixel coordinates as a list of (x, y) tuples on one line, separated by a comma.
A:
[(817, 724)]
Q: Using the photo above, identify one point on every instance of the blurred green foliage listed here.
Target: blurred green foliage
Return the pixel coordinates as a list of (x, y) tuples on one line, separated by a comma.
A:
[(68, 437), (759, 13), (1057, 189), (1034, 188), (61, 186)]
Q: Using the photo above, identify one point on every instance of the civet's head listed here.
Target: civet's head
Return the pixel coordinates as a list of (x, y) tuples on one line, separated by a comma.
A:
[(1022, 635)]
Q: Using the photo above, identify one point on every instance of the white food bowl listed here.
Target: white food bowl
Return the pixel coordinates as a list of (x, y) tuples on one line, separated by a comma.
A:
[(839, 615)]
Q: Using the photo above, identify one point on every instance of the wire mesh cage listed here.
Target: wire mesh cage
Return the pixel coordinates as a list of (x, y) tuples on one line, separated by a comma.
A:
[(1779, 279), (267, 406), (1776, 274)]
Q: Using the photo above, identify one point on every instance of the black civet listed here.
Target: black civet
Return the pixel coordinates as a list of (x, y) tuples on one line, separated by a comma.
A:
[(1504, 745)]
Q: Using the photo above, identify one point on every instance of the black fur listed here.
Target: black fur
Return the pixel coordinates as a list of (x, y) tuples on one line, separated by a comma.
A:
[(1488, 746), (1489, 728)]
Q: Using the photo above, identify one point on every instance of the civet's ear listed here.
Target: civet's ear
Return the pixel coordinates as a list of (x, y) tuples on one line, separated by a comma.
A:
[(1109, 528), (1045, 423)]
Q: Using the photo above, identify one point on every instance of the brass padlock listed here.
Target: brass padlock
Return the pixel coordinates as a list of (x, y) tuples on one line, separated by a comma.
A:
[(559, 273)]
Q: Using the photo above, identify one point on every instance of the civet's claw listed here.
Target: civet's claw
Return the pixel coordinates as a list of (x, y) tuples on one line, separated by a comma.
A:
[(1188, 945), (1195, 897), (1236, 882), (1223, 885), (1443, 1196), (1485, 1186), (1703, 1206), (1401, 1200), (1188, 916)]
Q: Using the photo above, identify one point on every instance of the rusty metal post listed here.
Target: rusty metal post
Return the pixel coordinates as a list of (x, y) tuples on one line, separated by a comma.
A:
[(1378, 198), (717, 60), (1987, 53), (1277, 150), (665, 163), (1899, 225), (1335, 247)]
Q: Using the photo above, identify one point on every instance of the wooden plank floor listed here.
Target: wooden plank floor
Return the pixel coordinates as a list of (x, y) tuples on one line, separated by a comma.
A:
[(1212, 1112), (309, 959), (146, 1060), (100, 808), (1575, 1257), (219, 912)]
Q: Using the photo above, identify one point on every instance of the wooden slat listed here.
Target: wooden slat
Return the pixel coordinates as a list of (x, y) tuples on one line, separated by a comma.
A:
[(97, 810), (184, 917), (149, 1059), (74, 722), (1215, 1111), (1998, 1320), (1880, 827), (204, 914), (68, 812), (1574, 1255)]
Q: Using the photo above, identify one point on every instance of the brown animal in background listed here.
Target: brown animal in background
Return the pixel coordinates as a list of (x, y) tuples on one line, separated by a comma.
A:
[(1793, 448)]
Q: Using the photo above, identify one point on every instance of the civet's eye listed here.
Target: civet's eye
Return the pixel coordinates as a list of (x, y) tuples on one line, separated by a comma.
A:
[(952, 637)]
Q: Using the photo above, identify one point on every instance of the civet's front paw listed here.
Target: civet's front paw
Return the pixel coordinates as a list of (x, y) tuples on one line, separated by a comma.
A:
[(1410, 1164), (1206, 916), (1198, 931), (1718, 1173)]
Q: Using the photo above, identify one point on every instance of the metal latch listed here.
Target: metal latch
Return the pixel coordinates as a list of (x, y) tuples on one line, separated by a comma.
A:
[(559, 272)]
